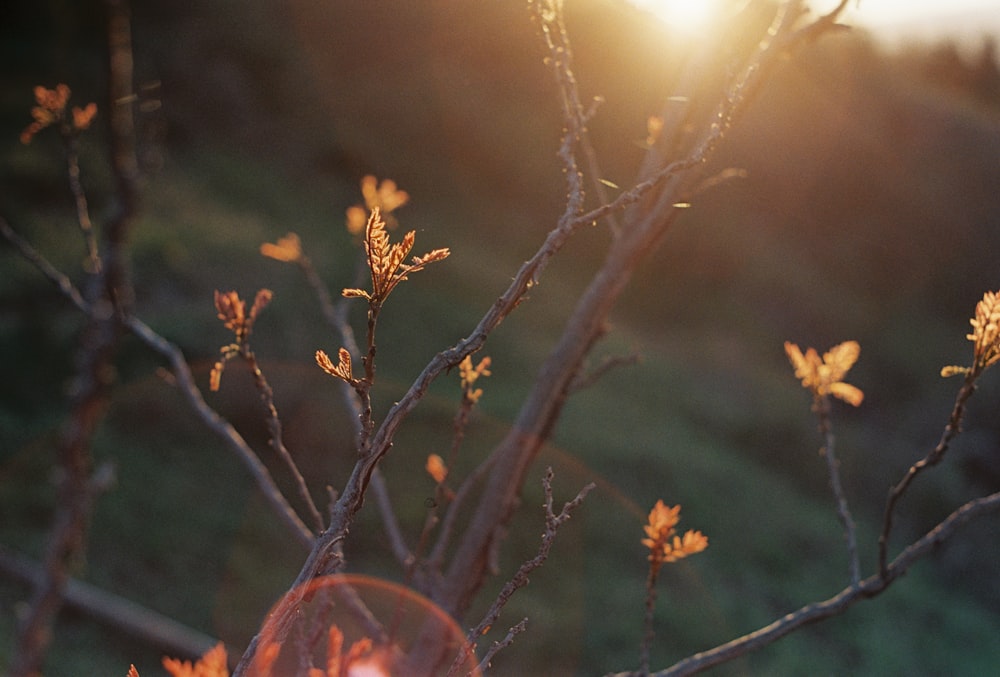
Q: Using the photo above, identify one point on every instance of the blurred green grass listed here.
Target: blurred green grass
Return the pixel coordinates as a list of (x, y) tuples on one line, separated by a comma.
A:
[(867, 214)]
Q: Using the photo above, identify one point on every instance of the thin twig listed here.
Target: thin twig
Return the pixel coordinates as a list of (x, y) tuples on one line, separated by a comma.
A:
[(500, 645), (821, 406), (520, 579), (465, 490), (35, 258), (277, 442), (951, 430), (183, 379), (336, 316), (649, 634), (442, 494), (221, 427), (80, 202)]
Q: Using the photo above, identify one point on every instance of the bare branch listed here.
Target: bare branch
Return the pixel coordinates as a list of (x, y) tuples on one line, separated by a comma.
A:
[(468, 486), (933, 457), (520, 578), (336, 316), (221, 427), (80, 202), (822, 408), (184, 379), (35, 258), (502, 644), (541, 409), (277, 442), (812, 613), (122, 614)]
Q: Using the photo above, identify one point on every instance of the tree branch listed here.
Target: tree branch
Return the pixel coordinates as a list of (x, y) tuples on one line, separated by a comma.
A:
[(933, 457), (812, 613), (520, 578), (221, 427), (335, 315)]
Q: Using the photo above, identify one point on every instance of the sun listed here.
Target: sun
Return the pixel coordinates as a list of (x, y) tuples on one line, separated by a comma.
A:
[(689, 15)]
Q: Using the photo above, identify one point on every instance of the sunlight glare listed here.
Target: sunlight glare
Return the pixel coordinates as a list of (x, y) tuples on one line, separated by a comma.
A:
[(689, 15)]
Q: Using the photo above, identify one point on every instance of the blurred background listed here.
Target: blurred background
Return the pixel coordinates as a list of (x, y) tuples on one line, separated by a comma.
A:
[(870, 210)]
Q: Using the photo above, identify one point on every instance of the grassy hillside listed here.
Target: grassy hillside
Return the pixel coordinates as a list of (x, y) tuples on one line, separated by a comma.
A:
[(869, 211)]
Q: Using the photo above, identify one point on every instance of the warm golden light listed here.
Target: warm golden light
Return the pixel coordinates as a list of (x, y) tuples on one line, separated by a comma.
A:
[(689, 15)]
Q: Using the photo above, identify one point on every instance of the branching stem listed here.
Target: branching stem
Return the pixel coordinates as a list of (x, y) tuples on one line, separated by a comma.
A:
[(951, 430)]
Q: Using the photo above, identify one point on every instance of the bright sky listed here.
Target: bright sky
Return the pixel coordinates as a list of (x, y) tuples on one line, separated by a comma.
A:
[(892, 19), (931, 19), (895, 11)]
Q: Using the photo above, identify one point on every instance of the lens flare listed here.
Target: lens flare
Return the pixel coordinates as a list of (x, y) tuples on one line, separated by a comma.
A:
[(362, 627)]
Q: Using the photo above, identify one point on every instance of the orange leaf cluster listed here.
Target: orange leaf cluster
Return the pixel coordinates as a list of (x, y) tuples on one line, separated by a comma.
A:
[(232, 310), (985, 334), (662, 540), (360, 658), (51, 109), (212, 664), (287, 249), (341, 370), (386, 196), (825, 377), (470, 374), (385, 260)]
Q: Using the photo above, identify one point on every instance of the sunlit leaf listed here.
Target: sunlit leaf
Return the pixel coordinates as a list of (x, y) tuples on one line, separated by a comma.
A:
[(212, 664), (436, 468), (825, 376)]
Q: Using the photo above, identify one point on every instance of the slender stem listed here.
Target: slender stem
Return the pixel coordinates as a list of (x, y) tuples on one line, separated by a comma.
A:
[(336, 317), (951, 430), (499, 646), (442, 494), (277, 442), (80, 202), (183, 379), (454, 511), (35, 258), (821, 406), (224, 430), (553, 522), (649, 634)]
